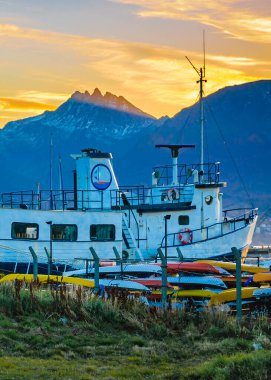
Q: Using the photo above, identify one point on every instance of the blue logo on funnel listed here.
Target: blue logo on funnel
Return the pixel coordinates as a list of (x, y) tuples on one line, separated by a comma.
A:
[(101, 177)]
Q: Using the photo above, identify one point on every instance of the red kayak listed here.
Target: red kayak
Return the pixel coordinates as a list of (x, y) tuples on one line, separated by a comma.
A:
[(150, 283), (194, 267)]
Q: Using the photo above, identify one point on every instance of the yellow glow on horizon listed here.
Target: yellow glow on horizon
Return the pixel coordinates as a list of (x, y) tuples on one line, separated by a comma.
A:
[(11, 104)]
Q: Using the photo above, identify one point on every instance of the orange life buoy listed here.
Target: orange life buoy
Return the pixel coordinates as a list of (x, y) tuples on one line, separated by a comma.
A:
[(190, 236), (173, 194)]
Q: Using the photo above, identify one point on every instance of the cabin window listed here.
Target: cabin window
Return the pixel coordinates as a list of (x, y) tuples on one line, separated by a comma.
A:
[(66, 232), (183, 220), (24, 231), (102, 232)]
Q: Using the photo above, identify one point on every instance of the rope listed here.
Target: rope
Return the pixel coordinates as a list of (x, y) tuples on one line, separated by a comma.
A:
[(230, 154), (191, 109)]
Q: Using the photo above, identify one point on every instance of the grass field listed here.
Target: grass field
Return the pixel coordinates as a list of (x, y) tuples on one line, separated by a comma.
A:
[(69, 334)]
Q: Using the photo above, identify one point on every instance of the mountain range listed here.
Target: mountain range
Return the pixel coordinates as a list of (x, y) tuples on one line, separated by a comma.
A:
[(237, 133)]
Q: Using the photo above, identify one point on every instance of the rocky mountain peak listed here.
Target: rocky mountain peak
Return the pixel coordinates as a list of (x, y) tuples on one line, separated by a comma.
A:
[(108, 100), (96, 95)]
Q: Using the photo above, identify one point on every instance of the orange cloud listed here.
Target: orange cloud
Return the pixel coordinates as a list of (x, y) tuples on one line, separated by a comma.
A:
[(245, 19)]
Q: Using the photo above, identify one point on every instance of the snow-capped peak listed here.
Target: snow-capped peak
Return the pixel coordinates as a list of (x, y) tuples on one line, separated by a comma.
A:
[(108, 100)]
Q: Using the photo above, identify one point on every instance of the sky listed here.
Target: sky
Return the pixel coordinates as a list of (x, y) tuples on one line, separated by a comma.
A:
[(134, 48)]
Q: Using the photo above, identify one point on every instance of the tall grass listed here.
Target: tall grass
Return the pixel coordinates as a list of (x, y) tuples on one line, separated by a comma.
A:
[(74, 303)]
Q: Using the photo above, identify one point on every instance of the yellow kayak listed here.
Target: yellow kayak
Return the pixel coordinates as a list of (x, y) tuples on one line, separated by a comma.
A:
[(262, 277), (230, 266), (44, 278), (196, 293), (230, 295)]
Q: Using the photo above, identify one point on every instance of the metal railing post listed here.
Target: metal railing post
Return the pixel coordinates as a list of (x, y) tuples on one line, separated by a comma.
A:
[(164, 277), (116, 252), (96, 269), (35, 263), (180, 255), (237, 254)]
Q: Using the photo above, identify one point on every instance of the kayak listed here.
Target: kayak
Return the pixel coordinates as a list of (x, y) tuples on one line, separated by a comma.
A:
[(123, 284), (150, 282), (230, 266), (194, 267), (44, 278), (194, 294), (118, 269), (203, 281), (229, 295), (230, 281), (262, 292), (262, 277)]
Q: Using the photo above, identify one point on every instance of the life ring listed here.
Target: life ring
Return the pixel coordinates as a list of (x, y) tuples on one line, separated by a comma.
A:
[(173, 194), (190, 236)]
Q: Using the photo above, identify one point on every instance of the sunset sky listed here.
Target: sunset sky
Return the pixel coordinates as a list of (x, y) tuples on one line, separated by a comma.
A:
[(134, 48)]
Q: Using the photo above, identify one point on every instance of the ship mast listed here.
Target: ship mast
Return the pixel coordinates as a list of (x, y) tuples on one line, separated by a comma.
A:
[(201, 81)]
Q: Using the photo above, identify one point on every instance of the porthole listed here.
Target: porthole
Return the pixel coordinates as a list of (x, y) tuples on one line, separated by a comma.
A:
[(209, 199)]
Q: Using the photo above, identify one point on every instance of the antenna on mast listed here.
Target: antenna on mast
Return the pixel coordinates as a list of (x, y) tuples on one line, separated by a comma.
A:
[(201, 74), (204, 53), (51, 171)]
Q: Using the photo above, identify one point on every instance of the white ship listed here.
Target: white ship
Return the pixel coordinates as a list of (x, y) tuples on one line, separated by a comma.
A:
[(181, 213)]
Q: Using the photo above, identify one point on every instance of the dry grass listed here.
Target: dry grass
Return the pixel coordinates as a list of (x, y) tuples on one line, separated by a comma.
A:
[(68, 333)]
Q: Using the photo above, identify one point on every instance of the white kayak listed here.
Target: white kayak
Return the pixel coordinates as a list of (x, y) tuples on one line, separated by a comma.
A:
[(125, 268), (123, 284), (197, 280)]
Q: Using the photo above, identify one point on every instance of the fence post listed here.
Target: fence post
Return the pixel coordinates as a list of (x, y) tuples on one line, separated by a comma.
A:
[(164, 277), (96, 269), (237, 254), (35, 263), (49, 263), (120, 260)]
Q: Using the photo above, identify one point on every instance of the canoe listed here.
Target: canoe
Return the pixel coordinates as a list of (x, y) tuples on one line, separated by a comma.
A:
[(229, 295), (262, 277), (230, 266), (43, 278)]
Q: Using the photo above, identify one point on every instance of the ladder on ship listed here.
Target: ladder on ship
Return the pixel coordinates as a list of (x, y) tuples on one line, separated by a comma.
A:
[(129, 238)]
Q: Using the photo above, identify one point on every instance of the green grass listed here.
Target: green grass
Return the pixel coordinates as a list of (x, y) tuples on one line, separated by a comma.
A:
[(69, 334)]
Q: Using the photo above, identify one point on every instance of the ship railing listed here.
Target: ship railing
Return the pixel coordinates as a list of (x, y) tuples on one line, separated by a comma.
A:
[(207, 173), (54, 200), (141, 195), (216, 230)]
